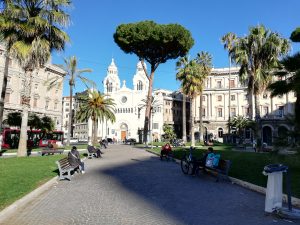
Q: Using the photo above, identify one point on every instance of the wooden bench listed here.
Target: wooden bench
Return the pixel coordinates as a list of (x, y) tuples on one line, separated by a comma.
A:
[(51, 151), (54, 150), (221, 170), (65, 168)]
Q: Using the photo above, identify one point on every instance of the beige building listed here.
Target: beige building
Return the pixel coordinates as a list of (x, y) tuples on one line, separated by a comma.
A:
[(216, 106), (43, 102)]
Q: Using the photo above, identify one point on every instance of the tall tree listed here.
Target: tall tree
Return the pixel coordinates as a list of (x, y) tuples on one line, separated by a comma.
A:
[(73, 74), (229, 40), (96, 106), (191, 85), (154, 43), (181, 67), (290, 71), (204, 60), (43, 21), (257, 54)]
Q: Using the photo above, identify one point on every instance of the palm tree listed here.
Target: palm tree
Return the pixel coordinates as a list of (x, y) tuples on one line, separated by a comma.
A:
[(204, 60), (96, 106), (229, 40), (257, 54), (192, 76), (240, 123), (181, 67), (73, 74), (42, 20), (291, 70)]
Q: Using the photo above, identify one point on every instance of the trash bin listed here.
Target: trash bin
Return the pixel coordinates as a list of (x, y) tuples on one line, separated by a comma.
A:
[(274, 186)]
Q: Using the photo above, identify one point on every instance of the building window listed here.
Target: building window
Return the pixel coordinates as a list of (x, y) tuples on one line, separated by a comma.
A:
[(232, 97), (7, 97), (266, 110), (265, 96), (232, 84), (139, 85), (203, 98), (67, 109), (219, 98), (280, 111), (155, 125), (67, 104), (55, 105), (233, 111), (220, 112), (220, 132), (35, 102), (247, 111), (109, 87), (203, 112), (246, 97), (36, 86), (219, 84)]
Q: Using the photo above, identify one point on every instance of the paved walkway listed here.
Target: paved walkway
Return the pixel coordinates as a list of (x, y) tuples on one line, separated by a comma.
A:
[(131, 186)]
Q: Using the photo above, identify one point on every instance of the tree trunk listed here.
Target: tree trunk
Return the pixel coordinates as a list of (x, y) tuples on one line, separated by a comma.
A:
[(201, 119), (94, 135), (184, 117), (148, 106), (192, 130), (3, 91), (22, 148), (257, 120), (70, 116)]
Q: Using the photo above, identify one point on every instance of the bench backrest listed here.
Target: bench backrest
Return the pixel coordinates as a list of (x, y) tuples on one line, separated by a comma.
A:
[(63, 163)]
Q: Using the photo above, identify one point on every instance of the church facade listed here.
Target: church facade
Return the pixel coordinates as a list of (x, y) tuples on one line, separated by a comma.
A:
[(129, 105)]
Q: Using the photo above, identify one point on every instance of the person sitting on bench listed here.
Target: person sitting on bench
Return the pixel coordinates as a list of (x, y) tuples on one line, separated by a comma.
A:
[(202, 161), (166, 150), (74, 159), (92, 149)]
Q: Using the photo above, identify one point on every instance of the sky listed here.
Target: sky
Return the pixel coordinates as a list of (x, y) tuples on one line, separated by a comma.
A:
[(93, 24)]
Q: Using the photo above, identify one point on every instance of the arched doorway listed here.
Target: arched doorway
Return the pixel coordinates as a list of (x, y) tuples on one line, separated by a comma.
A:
[(267, 135), (124, 130)]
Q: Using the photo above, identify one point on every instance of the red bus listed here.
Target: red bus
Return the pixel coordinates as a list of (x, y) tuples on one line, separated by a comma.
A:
[(35, 138)]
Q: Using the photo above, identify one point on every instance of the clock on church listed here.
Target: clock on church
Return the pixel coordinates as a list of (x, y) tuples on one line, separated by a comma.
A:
[(124, 99)]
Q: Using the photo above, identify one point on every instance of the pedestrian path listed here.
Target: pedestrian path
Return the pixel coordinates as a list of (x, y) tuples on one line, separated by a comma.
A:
[(131, 186)]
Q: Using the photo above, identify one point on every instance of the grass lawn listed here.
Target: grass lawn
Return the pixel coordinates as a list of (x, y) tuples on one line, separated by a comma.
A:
[(248, 166), (19, 176)]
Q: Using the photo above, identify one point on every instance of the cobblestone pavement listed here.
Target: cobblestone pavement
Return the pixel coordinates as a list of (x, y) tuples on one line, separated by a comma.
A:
[(131, 186)]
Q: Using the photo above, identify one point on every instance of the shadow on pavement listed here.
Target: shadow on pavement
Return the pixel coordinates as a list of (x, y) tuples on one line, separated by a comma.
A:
[(187, 199)]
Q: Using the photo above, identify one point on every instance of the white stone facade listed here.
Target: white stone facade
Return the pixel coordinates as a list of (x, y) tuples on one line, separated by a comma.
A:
[(43, 102), (216, 103), (130, 108)]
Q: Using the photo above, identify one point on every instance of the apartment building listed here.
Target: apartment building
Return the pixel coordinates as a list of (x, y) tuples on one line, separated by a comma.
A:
[(44, 101)]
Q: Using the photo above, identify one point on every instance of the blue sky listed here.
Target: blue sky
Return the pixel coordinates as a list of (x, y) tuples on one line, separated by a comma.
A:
[(94, 23)]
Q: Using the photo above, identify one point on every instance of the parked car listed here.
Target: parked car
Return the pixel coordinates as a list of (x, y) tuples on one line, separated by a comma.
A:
[(131, 141)]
